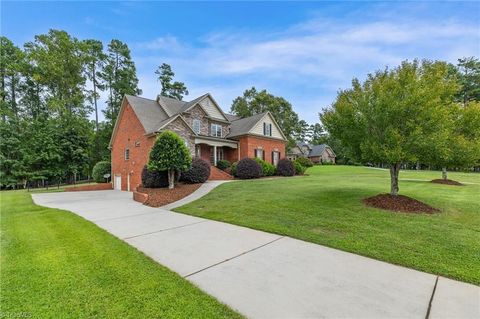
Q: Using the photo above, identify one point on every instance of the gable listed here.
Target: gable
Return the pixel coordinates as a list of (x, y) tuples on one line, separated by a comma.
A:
[(127, 123), (212, 109), (258, 127)]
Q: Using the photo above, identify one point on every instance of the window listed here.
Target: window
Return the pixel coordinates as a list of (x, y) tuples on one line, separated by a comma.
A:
[(198, 151), (267, 129), (127, 154), (259, 153), (216, 130), (196, 126), (275, 157)]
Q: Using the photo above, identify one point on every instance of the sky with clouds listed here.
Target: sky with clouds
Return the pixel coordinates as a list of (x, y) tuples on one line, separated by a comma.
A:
[(303, 51)]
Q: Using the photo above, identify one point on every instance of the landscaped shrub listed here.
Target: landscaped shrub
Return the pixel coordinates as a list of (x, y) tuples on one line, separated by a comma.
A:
[(248, 168), (100, 169), (154, 178), (305, 162), (233, 169), (223, 164), (267, 168), (328, 163), (198, 172), (299, 168), (285, 167)]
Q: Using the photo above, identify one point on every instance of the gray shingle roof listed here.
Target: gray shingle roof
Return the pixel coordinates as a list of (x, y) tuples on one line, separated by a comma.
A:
[(172, 106), (232, 117), (317, 150), (149, 112), (244, 125)]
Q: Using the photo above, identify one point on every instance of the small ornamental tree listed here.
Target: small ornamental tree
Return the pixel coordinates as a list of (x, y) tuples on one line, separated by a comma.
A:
[(395, 116), (169, 153), (99, 170)]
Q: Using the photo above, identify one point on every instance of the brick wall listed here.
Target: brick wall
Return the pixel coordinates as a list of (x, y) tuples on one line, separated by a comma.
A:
[(130, 134), (249, 143)]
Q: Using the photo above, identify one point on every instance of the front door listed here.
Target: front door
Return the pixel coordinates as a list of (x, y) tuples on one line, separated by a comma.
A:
[(118, 182)]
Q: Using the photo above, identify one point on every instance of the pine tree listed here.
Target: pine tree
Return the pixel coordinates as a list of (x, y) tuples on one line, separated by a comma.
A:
[(174, 90)]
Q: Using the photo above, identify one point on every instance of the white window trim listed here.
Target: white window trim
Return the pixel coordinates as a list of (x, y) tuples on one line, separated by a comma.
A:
[(195, 123), (213, 132)]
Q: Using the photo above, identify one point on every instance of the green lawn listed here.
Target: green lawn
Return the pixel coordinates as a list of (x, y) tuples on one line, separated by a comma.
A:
[(55, 264), (325, 208)]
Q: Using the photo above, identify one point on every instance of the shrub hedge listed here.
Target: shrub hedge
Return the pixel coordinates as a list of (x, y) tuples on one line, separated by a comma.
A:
[(100, 169), (304, 161), (223, 164), (154, 178), (299, 168), (267, 168), (248, 168), (233, 169), (285, 167), (197, 173)]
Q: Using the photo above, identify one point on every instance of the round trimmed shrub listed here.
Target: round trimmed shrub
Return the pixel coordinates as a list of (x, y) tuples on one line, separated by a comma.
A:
[(197, 173), (267, 168), (285, 167), (154, 178), (233, 169), (223, 164), (304, 161), (100, 169), (299, 168), (248, 168)]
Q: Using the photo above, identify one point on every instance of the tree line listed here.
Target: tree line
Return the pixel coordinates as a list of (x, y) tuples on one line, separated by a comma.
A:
[(49, 89)]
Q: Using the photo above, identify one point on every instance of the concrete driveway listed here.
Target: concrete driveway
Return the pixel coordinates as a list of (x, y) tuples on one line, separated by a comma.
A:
[(264, 275)]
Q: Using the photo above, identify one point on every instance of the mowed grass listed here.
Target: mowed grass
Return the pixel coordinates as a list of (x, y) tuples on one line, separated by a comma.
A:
[(55, 264), (326, 208)]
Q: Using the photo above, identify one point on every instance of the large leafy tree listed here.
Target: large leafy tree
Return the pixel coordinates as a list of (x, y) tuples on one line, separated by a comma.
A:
[(176, 90), (253, 102), (169, 153), (11, 61), (469, 79), (394, 116)]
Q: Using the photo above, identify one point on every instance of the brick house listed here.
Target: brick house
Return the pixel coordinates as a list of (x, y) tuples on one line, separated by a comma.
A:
[(316, 153), (208, 132)]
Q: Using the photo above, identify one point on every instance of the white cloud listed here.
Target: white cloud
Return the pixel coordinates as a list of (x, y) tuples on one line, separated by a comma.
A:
[(307, 61)]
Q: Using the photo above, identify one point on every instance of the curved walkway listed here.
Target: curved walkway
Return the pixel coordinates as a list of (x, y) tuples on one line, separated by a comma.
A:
[(264, 275), (200, 192)]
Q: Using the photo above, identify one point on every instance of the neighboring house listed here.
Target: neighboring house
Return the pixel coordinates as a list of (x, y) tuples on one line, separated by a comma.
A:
[(208, 132), (316, 153)]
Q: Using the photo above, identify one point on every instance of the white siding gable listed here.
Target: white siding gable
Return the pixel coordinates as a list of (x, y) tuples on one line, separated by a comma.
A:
[(258, 128), (212, 111)]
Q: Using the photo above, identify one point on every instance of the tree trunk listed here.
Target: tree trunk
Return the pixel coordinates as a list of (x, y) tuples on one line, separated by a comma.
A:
[(171, 178), (444, 173), (394, 170)]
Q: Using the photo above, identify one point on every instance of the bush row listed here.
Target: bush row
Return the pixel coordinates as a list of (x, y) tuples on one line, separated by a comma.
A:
[(248, 168)]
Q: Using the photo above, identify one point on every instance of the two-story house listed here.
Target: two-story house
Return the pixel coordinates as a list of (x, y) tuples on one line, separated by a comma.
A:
[(208, 132)]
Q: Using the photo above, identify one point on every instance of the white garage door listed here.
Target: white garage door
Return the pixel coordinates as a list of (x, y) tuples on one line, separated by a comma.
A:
[(118, 182)]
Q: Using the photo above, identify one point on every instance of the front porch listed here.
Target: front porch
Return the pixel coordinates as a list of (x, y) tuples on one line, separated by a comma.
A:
[(213, 150)]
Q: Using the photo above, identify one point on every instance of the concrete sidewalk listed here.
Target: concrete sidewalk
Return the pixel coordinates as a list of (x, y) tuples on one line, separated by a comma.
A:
[(265, 275)]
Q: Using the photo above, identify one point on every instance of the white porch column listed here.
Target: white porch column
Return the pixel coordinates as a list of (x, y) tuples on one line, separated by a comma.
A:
[(214, 155)]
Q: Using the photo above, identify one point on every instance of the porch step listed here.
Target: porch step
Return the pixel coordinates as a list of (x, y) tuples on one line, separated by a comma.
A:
[(217, 174)]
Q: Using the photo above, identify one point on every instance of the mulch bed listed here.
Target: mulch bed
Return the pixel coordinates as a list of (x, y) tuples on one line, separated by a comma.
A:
[(399, 203), (447, 182), (162, 196)]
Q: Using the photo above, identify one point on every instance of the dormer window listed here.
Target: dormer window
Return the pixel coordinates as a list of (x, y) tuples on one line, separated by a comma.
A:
[(267, 129), (216, 130), (197, 126)]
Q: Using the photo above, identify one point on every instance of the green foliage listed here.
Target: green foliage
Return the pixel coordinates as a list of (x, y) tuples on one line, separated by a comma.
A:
[(169, 153), (233, 168), (267, 168), (299, 168), (99, 170), (468, 74), (174, 90), (223, 164), (253, 102), (396, 115), (304, 161)]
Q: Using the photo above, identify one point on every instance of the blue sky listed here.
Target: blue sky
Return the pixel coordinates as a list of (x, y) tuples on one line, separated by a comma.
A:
[(303, 51)]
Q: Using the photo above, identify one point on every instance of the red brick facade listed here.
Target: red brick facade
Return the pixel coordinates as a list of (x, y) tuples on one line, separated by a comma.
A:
[(130, 134), (249, 143)]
